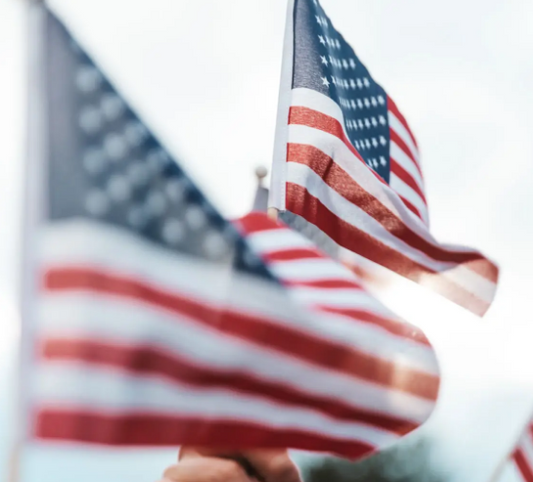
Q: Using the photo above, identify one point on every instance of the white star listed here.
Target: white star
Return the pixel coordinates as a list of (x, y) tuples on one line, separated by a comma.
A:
[(173, 231), (352, 102), (367, 142), (352, 84), (118, 188), (135, 133), (195, 217), (324, 60), (115, 146), (337, 44), (383, 161), (322, 41), (318, 20), (359, 83), (88, 78), (374, 101), (382, 120), (96, 203), (374, 121), (156, 203), (355, 125), (334, 80), (360, 122), (346, 84), (352, 63), (112, 106), (349, 124), (90, 119), (381, 100), (357, 144), (367, 123), (359, 103), (94, 160), (366, 82), (374, 142), (345, 63), (382, 140), (328, 40), (325, 81), (367, 103)]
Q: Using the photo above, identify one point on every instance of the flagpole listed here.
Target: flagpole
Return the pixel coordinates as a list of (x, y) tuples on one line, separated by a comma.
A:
[(279, 159), (34, 147)]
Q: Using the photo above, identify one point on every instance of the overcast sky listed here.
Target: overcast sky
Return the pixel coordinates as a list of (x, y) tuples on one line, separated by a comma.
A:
[(204, 75)]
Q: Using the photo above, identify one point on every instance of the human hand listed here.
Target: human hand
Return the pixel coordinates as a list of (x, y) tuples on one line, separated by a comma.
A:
[(203, 465)]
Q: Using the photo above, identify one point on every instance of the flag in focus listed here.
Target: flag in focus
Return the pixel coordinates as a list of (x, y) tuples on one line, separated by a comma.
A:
[(346, 161), (157, 322)]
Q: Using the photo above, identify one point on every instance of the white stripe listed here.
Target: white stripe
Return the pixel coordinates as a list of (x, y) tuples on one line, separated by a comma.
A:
[(408, 193), (404, 161), (266, 242), (397, 126), (97, 316), (339, 298), (62, 385), (311, 270), (303, 176)]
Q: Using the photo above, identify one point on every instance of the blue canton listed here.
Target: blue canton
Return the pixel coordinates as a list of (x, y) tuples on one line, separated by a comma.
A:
[(106, 166), (325, 62)]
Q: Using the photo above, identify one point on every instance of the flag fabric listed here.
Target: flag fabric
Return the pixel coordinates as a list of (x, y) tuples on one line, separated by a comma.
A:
[(346, 161), (157, 322)]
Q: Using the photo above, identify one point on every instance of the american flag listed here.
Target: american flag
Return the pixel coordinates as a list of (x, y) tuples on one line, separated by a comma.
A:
[(158, 322), (347, 162)]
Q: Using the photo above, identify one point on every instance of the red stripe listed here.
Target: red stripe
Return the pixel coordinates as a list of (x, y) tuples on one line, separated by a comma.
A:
[(291, 255), (523, 465), (394, 109), (145, 429), (396, 327), (346, 186), (394, 137), (256, 222), (263, 332), (312, 118), (407, 179), (326, 284), (350, 237), (146, 360)]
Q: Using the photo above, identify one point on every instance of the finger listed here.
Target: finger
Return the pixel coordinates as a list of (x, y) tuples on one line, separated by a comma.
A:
[(273, 465), (188, 452), (208, 469)]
